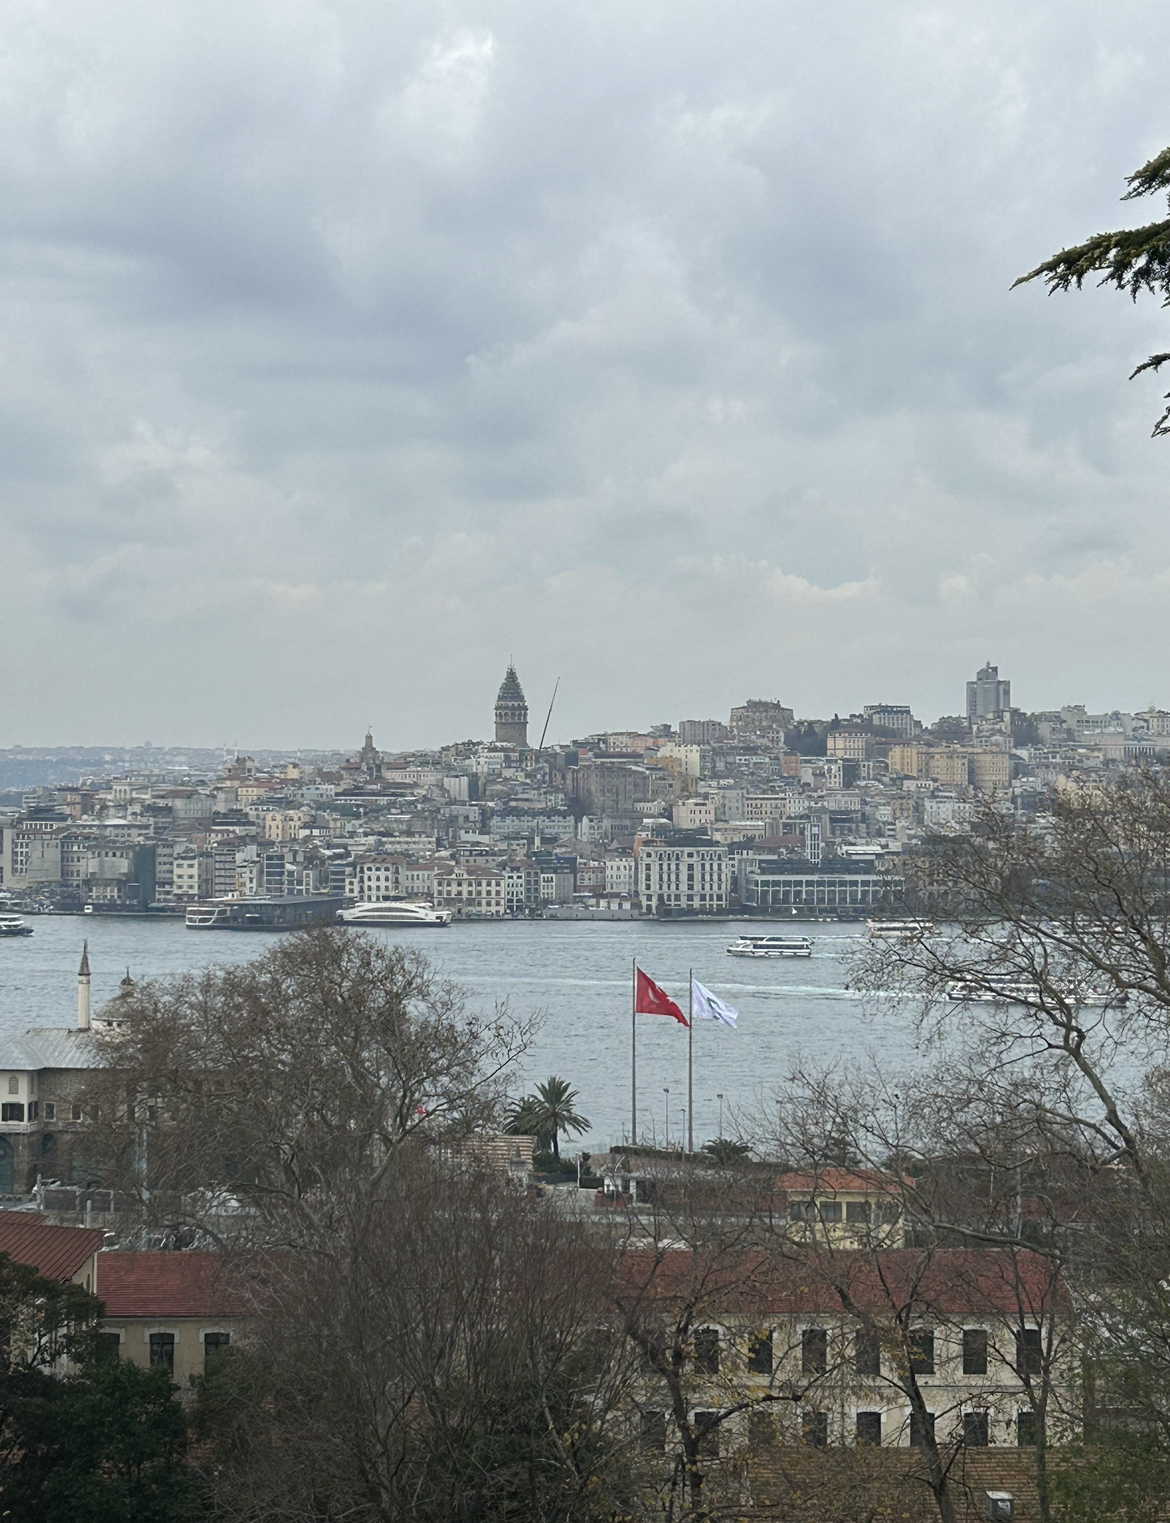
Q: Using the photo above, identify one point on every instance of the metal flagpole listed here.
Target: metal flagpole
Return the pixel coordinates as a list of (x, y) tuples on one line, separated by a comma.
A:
[(691, 1068), (634, 1053)]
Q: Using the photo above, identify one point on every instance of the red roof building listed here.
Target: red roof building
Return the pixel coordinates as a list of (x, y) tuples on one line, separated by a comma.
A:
[(57, 1253), (174, 1310)]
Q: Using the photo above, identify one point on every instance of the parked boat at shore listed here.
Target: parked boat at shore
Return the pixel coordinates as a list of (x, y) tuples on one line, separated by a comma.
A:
[(394, 912)]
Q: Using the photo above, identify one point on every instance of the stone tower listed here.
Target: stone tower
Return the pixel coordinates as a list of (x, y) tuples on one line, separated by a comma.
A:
[(511, 711)]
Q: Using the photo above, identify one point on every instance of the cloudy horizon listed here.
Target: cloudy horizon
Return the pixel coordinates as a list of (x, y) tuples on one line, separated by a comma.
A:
[(667, 349)]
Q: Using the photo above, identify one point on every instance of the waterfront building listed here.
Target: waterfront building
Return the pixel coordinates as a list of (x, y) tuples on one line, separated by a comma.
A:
[(469, 890), (681, 876), (511, 711)]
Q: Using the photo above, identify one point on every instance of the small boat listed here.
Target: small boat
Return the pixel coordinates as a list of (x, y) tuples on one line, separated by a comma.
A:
[(13, 925), (771, 946), (898, 930), (394, 912), (1008, 991)]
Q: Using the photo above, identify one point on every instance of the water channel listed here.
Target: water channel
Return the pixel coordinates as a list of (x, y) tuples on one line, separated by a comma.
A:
[(575, 975)]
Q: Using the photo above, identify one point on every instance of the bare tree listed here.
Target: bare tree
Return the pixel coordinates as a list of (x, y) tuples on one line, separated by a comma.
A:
[(444, 1356), (253, 1099)]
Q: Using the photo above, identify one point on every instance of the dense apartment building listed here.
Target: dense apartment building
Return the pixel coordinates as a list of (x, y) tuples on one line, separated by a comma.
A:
[(680, 875)]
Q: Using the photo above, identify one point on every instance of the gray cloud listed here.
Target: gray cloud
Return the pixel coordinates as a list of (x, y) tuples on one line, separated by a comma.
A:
[(349, 348)]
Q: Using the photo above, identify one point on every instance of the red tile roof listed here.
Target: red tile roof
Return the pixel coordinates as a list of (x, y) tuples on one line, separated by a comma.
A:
[(182, 1284), (55, 1252), (970, 1281), (830, 1181)]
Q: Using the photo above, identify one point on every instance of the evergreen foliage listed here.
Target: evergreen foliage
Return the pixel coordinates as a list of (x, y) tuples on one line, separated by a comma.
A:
[(1132, 259)]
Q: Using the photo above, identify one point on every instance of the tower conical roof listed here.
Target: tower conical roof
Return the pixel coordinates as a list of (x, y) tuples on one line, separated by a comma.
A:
[(510, 689)]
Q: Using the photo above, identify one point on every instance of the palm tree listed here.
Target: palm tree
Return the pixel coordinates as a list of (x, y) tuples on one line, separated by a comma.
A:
[(527, 1119), (555, 1101)]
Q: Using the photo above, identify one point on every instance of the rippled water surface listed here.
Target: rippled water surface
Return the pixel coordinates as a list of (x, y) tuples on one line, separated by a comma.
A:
[(577, 976)]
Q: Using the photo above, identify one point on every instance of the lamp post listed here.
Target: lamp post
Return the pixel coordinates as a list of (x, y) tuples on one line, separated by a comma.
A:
[(719, 1097), (682, 1136), (666, 1092)]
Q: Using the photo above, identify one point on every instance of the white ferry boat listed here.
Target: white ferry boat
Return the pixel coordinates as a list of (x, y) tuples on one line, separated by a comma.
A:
[(1007, 991), (771, 946), (898, 930), (13, 925), (394, 912)]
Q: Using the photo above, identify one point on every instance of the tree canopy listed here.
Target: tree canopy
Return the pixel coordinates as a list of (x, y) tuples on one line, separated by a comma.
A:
[(1132, 259)]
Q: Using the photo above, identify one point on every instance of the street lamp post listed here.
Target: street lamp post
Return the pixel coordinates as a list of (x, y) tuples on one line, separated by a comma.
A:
[(666, 1092), (682, 1136), (719, 1097)]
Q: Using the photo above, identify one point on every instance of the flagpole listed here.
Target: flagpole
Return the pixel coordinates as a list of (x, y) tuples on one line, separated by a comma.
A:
[(691, 1068), (634, 1052)]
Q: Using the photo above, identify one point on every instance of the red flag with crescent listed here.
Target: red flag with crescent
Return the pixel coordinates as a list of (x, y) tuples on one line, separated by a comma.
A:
[(649, 999)]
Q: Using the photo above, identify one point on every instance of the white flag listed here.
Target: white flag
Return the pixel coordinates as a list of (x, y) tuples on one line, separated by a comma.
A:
[(709, 1007)]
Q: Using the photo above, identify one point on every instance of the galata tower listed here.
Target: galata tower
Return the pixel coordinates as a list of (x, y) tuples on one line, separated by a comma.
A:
[(511, 711)]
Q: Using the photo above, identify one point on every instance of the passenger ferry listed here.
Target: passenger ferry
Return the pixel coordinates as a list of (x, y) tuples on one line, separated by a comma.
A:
[(394, 912), (1008, 991), (898, 930), (293, 912), (13, 925), (771, 946)]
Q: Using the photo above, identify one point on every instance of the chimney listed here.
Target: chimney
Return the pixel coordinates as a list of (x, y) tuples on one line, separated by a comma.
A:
[(83, 990)]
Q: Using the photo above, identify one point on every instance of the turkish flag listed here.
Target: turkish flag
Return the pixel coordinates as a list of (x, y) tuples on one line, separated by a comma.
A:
[(649, 999)]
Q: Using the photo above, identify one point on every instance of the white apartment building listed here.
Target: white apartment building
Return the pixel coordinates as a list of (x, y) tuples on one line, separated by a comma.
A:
[(194, 876), (470, 890), (376, 878), (681, 877), (620, 875), (694, 813)]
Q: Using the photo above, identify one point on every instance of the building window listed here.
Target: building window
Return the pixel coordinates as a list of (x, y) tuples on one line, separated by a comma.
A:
[(814, 1351), (1026, 1429), (162, 1351), (830, 1210), (867, 1354), (109, 1345), (1029, 1353), (975, 1430), (653, 1433), (11, 1111), (49, 1147), (760, 1354), (857, 1211), (921, 1353), (814, 1429), (13, 1085), (974, 1351), (50, 1110), (869, 1429), (762, 1431), (921, 1429), (214, 1345), (707, 1433), (75, 1112), (707, 1350)]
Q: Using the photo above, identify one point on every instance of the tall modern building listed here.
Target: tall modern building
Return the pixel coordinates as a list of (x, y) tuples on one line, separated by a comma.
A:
[(987, 696), (511, 711)]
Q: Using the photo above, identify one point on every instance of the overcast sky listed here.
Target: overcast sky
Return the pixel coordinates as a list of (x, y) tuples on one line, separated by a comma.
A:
[(350, 348)]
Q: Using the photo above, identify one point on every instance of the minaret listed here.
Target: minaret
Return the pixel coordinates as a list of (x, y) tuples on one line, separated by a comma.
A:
[(511, 711), (83, 989)]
